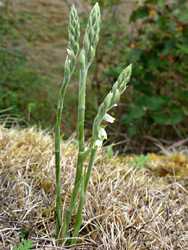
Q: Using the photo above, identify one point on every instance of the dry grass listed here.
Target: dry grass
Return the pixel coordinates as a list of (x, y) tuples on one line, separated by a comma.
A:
[(125, 208)]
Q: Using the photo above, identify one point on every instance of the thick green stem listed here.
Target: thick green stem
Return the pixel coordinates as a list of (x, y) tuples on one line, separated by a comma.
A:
[(81, 110), (80, 134), (78, 219)]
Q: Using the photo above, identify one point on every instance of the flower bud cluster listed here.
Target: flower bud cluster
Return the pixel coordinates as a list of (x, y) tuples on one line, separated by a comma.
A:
[(109, 102), (91, 38), (74, 35)]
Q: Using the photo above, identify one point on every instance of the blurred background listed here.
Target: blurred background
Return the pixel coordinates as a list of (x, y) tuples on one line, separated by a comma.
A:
[(151, 34)]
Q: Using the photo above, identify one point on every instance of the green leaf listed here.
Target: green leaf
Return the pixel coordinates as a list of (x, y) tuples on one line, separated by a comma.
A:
[(182, 1), (161, 3), (145, 88), (149, 77), (161, 21), (15, 248), (28, 244), (154, 103), (110, 152), (183, 47), (134, 55), (176, 116), (132, 163), (160, 118), (127, 119), (137, 71), (183, 16), (183, 96), (137, 113), (153, 62), (132, 130), (115, 71), (169, 45), (140, 12), (83, 155), (22, 234)]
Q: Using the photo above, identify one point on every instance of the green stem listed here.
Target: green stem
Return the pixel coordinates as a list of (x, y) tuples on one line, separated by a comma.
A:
[(80, 134), (78, 219), (81, 109), (57, 155)]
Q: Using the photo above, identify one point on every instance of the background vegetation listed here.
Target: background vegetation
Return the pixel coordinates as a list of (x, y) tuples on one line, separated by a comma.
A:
[(32, 39)]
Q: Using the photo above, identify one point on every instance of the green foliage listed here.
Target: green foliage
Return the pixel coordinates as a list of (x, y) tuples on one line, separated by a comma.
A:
[(140, 161), (26, 246), (158, 48), (109, 152), (21, 85), (157, 44)]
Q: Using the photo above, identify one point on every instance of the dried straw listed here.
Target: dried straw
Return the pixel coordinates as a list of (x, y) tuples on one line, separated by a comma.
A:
[(125, 208)]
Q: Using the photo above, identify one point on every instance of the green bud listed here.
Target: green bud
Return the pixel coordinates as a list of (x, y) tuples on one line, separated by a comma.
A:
[(115, 87), (115, 98), (67, 68), (74, 31), (82, 59), (125, 77), (70, 53), (86, 43), (107, 101), (91, 56), (91, 34)]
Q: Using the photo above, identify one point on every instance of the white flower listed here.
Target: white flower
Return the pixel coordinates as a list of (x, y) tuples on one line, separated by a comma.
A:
[(109, 118), (97, 145), (102, 134), (69, 52)]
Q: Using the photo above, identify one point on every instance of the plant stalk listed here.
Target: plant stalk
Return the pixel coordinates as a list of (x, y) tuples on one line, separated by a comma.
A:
[(78, 219), (57, 155), (80, 135)]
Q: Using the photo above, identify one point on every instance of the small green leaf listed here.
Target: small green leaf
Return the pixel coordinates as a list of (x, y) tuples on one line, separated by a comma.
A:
[(28, 244), (140, 165), (110, 152), (149, 77), (183, 47), (161, 3), (132, 163), (127, 119), (137, 113), (176, 116), (83, 155), (140, 12), (134, 55), (154, 103), (169, 46), (132, 130), (153, 62), (183, 16), (183, 96), (22, 234), (160, 118)]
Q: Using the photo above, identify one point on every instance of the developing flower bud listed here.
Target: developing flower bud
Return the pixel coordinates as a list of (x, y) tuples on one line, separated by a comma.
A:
[(109, 118), (97, 145), (102, 134)]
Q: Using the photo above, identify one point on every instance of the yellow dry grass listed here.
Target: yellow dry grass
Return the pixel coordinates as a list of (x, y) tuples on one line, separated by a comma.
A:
[(125, 208)]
